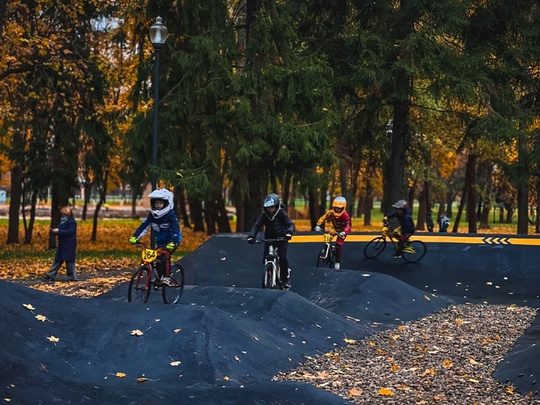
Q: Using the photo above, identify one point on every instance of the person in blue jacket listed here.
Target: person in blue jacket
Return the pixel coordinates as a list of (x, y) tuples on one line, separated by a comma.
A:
[(166, 231), (67, 246), (406, 223), (277, 224)]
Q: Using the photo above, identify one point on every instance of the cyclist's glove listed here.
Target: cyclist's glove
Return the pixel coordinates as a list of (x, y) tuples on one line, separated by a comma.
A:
[(171, 246), (342, 235), (250, 240), (133, 240), (318, 229), (288, 235)]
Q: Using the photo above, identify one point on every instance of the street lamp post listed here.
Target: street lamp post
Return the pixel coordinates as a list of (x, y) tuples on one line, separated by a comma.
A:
[(158, 36)]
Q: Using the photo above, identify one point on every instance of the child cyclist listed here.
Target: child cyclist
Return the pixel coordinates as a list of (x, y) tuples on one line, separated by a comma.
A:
[(403, 215), (277, 223), (341, 222), (166, 231)]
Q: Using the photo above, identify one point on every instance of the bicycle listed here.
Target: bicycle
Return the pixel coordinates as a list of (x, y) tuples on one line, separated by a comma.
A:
[(146, 278), (412, 251), (327, 255), (271, 278)]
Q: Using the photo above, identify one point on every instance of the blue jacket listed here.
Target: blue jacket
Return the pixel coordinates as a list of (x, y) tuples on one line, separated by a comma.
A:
[(67, 240), (165, 229)]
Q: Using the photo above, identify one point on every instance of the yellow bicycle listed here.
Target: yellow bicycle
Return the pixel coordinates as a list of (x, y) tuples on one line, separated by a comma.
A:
[(412, 251)]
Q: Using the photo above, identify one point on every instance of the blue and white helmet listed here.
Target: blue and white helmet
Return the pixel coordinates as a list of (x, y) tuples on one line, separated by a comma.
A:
[(271, 200), (161, 195)]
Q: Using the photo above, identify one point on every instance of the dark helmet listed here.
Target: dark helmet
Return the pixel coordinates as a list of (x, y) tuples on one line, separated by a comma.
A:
[(400, 206), (271, 201)]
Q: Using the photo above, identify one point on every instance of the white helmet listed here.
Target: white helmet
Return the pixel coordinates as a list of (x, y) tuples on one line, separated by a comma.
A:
[(161, 195)]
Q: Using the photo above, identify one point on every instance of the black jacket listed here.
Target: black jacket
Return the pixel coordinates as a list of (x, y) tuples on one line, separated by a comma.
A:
[(275, 227)]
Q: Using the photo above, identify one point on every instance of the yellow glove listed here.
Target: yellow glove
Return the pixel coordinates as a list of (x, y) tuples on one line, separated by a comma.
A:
[(171, 246), (133, 240)]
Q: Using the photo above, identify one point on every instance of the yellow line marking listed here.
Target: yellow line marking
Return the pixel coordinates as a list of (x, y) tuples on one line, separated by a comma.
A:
[(472, 240)]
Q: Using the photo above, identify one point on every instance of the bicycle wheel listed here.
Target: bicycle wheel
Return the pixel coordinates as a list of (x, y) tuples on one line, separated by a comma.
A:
[(269, 276), (321, 259), (139, 285), (331, 261), (414, 251), (375, 247), (173, 292)]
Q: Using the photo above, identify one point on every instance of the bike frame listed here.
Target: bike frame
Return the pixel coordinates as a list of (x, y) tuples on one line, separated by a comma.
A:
[(395, 240), (148, 261), (273, 258)]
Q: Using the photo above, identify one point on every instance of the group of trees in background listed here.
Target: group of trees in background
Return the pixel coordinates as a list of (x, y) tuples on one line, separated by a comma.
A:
[(387, 99)]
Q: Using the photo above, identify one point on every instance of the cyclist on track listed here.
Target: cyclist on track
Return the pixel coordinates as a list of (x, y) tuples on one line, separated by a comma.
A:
[(341, 222), (277, 224), (403, 215), (166, 231)]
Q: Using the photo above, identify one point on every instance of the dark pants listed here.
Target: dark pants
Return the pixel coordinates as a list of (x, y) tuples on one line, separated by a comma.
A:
[(283, 260), (70, 270)]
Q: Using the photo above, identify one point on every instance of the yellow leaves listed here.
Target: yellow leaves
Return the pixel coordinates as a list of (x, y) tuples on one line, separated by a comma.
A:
[(473, 362), (177, 330), (386, 392), (43, 318), (427, 297), (354, 392), (136, 332), (29, 307), (459, 321), (120, 375), (175, 363), (53, 339), (349, 341), (226, 378), (447, 364), (144, 379), (428, 371), (394, 367)]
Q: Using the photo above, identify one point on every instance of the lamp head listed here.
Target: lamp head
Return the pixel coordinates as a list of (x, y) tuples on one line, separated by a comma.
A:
[(158, 33)]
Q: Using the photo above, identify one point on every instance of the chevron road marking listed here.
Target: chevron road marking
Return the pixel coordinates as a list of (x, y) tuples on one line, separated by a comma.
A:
[(430, 238)]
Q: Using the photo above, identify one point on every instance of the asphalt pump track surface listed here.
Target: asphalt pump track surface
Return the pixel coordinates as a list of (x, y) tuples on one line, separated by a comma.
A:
[(227, 338)]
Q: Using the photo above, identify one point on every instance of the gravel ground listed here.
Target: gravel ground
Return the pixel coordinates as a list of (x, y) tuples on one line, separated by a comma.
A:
[(446, 358)]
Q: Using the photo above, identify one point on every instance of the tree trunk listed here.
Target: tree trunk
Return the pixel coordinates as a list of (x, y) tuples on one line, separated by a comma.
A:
[(470, 184), (16, 190), (313, 208), (182, 207), (196, 210), (28, 230)]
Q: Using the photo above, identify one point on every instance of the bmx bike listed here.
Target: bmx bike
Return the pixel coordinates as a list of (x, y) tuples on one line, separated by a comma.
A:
[(146, 278), (271, 278), (327, 255), (412, 251)]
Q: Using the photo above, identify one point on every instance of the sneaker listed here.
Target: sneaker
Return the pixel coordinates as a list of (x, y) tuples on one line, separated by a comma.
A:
[(48, 278), (397, 255), (165, 281), (285, 287), (336, 266)]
